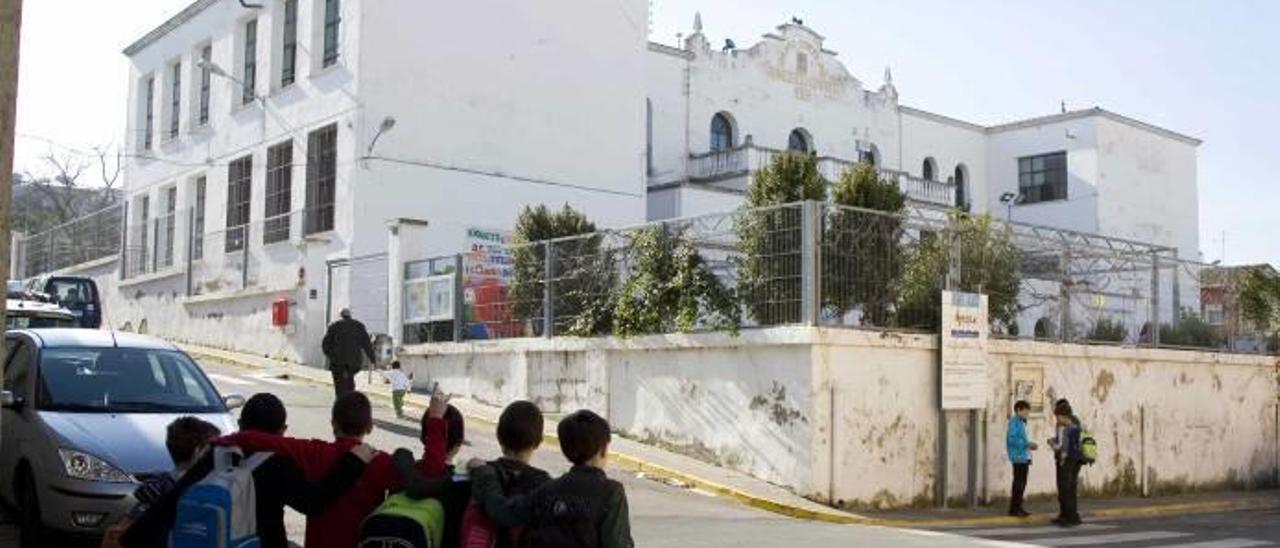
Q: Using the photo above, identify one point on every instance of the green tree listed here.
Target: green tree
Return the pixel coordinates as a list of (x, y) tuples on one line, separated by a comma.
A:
[(770, 237), (1108, 330), (988, 264), (582, 274), (1190, 330), (1259, 303), (671, 288), (861, 249)]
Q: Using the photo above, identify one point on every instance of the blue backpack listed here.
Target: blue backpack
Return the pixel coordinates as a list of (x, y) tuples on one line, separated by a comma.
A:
[(221, 510)]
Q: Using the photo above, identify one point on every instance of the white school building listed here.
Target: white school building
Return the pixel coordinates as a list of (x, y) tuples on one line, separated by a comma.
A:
[(310, 147)]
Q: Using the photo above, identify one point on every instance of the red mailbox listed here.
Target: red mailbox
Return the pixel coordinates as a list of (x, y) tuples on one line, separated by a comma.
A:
[(280, 312)]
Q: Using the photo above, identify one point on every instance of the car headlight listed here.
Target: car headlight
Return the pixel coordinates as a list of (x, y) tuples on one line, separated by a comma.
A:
[(84, 466)]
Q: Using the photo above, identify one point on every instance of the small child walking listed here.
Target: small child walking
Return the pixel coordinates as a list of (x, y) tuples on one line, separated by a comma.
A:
[(400, 383)]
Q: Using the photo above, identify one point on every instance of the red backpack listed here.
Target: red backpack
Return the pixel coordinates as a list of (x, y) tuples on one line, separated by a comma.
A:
[(478, 531)]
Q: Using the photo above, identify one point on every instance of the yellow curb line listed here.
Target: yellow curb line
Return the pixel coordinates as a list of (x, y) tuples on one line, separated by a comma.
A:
[(634, 464)]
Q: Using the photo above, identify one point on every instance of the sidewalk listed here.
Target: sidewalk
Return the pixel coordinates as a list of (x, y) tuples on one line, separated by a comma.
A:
[(687, 472)]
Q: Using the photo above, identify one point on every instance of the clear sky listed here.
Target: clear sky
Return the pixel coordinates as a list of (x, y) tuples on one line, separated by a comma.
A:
[(1204, 68)]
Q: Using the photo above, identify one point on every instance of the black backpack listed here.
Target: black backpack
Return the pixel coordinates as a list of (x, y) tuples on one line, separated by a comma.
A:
[(568, 511)]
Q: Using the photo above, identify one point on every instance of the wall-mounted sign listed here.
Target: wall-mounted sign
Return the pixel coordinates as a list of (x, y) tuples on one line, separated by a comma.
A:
[(964, 350), (429, 299), (1026, 382)]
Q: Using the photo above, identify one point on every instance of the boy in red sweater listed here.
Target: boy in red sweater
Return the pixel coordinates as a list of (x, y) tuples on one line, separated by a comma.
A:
[(339, 525)]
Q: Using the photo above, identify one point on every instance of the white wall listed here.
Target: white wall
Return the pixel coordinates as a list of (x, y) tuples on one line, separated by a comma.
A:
[(1080, 210), (666, 86), (950, 144)]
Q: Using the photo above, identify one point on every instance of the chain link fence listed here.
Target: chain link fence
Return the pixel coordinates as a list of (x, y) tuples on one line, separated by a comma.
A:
[(89, 238)]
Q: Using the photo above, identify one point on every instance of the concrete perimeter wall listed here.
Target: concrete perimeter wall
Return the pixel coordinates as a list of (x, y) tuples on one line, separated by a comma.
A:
[(764, 402)]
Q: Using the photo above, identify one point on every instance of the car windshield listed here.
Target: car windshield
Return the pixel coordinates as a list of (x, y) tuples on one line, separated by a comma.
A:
[(124, 380), (71, 292), (32, 322)]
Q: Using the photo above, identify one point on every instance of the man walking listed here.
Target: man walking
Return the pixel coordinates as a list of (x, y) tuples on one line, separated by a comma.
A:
[(1019, 447), (345, 345)]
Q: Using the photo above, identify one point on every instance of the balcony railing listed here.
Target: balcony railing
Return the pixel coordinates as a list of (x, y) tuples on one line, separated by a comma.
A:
[(747, 159)]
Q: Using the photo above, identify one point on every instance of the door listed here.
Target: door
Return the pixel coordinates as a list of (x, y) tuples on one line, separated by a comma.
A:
[(13, 423)]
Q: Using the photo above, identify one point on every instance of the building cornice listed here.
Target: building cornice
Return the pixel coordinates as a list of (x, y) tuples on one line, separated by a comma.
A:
[(1090, 112), (668, 50), (168, 26), (941, 119)]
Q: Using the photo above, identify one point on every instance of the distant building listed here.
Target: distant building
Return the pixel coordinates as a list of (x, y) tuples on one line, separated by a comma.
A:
[(1219, 306)]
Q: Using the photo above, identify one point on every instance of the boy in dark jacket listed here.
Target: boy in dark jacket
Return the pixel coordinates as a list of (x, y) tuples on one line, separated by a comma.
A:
[(278, 482), (581, 509), (1066, 449), (519, 434)]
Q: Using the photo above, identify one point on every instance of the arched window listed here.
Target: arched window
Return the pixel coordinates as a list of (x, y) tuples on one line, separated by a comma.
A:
[(799, 141), (721, 132), (869, 156), (929, 168), (1044, 329), (962, 186)]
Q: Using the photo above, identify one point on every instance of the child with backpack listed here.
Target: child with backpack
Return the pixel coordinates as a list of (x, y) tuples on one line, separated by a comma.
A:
[(234, 495), (1019, 447), (581, 509), (519, 435), (186, 439), (1066, 447)]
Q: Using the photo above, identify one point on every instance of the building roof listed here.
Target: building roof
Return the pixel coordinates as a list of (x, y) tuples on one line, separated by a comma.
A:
[(165, 28), (1051, 119)]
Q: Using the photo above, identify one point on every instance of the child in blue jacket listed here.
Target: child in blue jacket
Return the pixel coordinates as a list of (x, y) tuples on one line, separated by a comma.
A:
[(1019, 446)]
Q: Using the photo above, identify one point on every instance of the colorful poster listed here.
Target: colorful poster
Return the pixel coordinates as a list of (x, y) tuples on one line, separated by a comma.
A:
[(487, 271), (964, 350)]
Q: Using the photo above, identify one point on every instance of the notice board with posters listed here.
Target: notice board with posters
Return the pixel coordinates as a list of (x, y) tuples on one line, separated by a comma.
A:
[(965, 383)]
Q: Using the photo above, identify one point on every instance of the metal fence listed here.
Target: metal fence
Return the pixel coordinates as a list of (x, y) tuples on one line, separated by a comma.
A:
[(822, 264), (89, 238)]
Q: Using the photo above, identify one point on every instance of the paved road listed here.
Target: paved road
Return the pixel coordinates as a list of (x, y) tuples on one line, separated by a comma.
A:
[(1229, 530), (661, 515)]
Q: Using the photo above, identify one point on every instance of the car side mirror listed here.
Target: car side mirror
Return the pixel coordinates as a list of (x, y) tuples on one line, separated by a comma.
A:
[(233, 401), (9, 400)]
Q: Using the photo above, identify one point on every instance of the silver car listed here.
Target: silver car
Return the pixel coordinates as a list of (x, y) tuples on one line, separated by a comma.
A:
[(83, 421)]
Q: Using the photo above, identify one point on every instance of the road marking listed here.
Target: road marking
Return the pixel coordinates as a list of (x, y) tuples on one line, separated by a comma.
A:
[(228, 379), (1011, 531), (1087, 540), (1223, 543), (269, 378)]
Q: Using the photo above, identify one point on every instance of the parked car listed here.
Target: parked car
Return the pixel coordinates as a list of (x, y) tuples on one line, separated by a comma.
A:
[(83, 415), (29, 314), (75, 293)]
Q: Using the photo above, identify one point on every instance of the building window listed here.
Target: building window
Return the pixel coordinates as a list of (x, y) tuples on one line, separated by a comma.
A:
[(206, 58), (239, 181), (802, 64), (144, 236), (168, 227), (962, 187), (322, 171), (175, 99), (149, 95), (721, 132), (197, 230), (868, 155), (1214, 314), (279, 195), (1043, 178), (648, 137), (247, 95), (289, 58), (799, 141), (331, 20), (929, 169)]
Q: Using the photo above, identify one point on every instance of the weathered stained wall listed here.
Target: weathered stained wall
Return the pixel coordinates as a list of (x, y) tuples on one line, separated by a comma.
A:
[(851, 416)]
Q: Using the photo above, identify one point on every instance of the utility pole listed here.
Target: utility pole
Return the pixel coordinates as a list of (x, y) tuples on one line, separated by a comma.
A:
[(10, 21)]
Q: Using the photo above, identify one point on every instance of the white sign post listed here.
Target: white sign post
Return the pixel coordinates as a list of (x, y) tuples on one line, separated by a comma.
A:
[(964, 350)]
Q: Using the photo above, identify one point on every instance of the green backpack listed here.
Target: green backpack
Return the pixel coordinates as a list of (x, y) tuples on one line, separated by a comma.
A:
[(402, 522), (1088, 447)]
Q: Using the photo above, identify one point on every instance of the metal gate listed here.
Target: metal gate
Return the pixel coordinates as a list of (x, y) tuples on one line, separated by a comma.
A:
[(360, 284)]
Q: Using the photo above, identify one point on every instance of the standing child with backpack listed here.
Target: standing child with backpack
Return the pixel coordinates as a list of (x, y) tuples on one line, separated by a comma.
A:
[(1019, 447), (519, 435), (1067, 452), (581, 509)]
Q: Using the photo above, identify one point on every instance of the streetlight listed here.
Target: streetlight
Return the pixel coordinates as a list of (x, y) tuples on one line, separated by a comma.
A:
[(1009, 199), (387, 124)]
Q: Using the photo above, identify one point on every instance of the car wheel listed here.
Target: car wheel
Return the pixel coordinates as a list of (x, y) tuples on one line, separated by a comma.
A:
[(31, 529)]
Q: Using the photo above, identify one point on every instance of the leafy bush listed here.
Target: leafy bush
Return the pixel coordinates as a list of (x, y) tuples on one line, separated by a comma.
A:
[(771, 240), (671, 288), (989, 264), (1259, 301), (1189, 331), (583, 274), (861, 250), (1108, 330)]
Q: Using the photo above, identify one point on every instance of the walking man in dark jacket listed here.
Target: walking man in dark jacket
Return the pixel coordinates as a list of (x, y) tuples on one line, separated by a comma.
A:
[(345, 345)]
